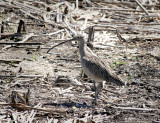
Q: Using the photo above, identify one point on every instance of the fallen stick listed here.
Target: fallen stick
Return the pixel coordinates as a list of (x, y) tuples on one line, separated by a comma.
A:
[(11, 34), (20, 43), (131, 4), (10, 60), (20, 76), (28, 76), (142, 7), (49, 34), (136, 109), (26, 107), (126, 10)]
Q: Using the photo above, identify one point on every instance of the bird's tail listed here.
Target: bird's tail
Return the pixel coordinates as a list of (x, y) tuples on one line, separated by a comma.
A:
[(117, 80)]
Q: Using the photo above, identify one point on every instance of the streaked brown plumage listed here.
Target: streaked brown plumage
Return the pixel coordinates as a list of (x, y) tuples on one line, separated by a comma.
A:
[(93, 66)]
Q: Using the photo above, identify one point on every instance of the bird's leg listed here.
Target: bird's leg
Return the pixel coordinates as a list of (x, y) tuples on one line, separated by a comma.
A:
[(97, 90), (96, 93), (100, 86)]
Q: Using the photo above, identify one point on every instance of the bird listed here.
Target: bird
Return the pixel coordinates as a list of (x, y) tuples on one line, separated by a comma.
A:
[(94, 67)]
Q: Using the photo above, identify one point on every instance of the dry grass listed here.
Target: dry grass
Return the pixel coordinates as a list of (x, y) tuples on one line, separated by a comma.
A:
[(40, 87)]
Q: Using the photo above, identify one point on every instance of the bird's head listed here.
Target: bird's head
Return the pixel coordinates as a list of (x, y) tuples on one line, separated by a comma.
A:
[(78, 38)]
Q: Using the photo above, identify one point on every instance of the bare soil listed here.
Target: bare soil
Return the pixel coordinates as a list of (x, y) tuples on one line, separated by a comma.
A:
[(55, 81)]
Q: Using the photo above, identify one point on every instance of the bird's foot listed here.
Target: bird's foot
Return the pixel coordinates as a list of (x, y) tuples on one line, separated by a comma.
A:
[(94, 103)]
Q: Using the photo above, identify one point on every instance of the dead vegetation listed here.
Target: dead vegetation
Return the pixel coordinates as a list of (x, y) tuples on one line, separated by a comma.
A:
[(39, 87)]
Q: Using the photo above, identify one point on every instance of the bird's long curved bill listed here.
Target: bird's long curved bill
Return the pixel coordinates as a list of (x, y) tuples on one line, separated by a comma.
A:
[(60, 44)]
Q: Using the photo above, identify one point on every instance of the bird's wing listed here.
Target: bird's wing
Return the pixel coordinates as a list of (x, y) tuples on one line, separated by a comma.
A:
[(101, 69)]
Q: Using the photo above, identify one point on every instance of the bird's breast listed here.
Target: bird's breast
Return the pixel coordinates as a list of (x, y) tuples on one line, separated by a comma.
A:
[(89, 73)]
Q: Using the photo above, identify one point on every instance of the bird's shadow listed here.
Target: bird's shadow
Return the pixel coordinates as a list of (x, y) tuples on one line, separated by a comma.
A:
[(70, 104)]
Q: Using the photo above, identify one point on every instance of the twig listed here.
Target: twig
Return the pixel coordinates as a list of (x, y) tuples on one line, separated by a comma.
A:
[(77, 4), (27, 37), (11, 34), (136, 109), (20, 76), (127, 10), (26, 7), (26, 107), (90, 34), (19, 34), (49, 22), (72, 31), (20, 43), (131, 4), (2, 30), (90, 3), (21, 23), (9, 60), (155, 121), (29, 76), (49, 34), (120, 37), (142, 7)]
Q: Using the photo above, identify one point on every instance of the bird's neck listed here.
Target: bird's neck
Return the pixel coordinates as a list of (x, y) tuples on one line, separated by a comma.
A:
[(82, 47)]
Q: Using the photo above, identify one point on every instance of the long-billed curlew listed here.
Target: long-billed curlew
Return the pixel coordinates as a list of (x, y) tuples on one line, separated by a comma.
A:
[(93, 66)]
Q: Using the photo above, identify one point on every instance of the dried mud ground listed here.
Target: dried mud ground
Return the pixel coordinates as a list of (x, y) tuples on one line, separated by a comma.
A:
[(141, 69), (55, 80)]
